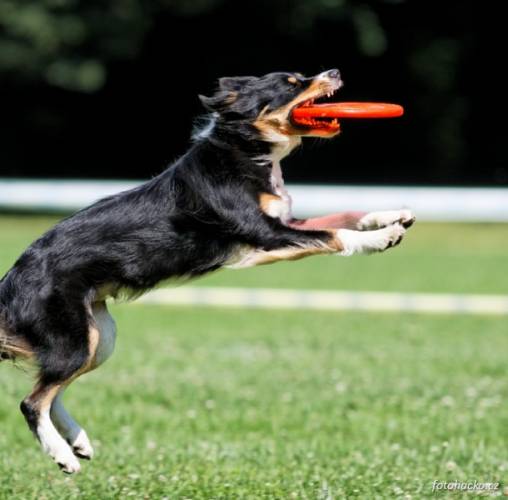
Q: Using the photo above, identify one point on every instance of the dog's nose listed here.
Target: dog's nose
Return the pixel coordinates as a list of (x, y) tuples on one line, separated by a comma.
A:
[(333, 73)]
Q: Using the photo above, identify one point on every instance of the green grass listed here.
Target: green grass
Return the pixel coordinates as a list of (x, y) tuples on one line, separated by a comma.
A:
[(214, 403)]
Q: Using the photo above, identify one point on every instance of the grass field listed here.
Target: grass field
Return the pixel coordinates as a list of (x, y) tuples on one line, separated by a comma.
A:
[(215, 403)]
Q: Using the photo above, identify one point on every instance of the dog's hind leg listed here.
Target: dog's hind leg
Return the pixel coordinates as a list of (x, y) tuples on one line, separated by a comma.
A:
[(74, 434), (36, 408), (71, 353), (70, 430)]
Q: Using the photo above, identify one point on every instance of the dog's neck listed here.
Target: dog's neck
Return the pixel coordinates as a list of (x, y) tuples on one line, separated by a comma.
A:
[(280, 147), (266, 152), (284, 146), (248, 138)]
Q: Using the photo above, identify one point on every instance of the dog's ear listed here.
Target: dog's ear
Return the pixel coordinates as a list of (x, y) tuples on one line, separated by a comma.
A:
[(218, 102), (235, 83)]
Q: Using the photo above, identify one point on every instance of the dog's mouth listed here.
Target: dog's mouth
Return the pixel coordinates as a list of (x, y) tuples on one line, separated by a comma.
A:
[(321, 126)]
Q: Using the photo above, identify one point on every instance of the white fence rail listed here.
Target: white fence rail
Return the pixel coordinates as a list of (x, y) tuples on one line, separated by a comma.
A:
[(428, 203), (329, 300)]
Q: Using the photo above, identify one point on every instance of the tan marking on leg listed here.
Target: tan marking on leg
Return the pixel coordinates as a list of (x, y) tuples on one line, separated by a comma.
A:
[(285, 254), (93, 342), (42, 396), (249, 256)]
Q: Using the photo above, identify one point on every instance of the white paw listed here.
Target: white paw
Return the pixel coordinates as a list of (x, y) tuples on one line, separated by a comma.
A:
[(376, 220), (55, 446), (389, 236), (81, 446), (66, 460), (365, 242)]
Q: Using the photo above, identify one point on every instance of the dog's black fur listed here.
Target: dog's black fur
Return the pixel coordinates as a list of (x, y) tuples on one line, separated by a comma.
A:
[(222, 203), (183, 223)]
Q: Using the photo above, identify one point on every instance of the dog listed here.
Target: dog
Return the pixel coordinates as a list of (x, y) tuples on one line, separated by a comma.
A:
[(222, 204)]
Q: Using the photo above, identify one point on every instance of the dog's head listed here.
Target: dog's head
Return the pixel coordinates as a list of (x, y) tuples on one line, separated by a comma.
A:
[(267, 102)]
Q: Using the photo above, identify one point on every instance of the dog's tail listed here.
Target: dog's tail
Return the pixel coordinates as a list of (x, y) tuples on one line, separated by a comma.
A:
[(10, 346), (5, 350)]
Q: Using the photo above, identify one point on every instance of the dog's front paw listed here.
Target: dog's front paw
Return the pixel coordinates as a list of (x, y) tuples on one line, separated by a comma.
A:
[(391, 236), (377, 220), (366, 242)]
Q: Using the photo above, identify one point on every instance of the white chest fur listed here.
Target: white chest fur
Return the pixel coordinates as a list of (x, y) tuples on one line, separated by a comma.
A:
[(280, 207)]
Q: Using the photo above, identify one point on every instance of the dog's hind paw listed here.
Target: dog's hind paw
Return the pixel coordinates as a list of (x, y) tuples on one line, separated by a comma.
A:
[(67, 462), (81, 446)]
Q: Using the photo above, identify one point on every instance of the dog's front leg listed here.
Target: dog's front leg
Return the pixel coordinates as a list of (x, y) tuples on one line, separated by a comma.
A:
[(264, 237), (383, 218), (344, 242)]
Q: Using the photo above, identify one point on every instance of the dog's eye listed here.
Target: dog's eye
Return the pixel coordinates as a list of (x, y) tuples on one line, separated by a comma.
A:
[(293, 81)]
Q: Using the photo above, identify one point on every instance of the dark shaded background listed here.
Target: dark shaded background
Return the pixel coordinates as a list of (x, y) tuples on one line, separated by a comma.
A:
[(108, 89)]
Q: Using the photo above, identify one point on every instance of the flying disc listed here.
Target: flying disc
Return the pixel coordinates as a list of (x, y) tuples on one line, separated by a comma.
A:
[(348, 110)]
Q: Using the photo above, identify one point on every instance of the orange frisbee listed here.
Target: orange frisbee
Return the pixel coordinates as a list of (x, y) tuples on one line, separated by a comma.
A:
[(348, 110)]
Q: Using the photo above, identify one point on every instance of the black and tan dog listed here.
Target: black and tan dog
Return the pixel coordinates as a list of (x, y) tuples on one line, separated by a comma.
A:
[(221, 204)]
